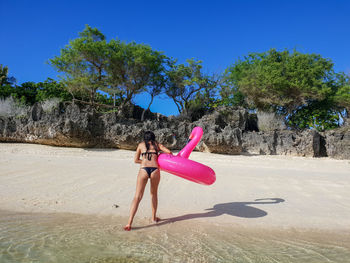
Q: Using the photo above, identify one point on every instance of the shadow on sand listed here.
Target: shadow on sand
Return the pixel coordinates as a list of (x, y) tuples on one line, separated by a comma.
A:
[(239, 209)]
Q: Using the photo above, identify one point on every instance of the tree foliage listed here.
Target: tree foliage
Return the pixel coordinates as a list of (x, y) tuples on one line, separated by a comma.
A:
[(90, 63), (51, 89), (320, 115), (154, 88), (185, 83), (342, 94), (133, 68), (4, 78), (203, 103), (84, 62), (302, 87), (30, 92), (281, 79), (6, 83), (230, 95)]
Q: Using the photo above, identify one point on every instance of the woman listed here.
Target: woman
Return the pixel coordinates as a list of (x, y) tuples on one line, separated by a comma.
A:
[(149, 150)]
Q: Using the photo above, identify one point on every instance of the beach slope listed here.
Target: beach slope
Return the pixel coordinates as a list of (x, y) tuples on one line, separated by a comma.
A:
[(259, 191)]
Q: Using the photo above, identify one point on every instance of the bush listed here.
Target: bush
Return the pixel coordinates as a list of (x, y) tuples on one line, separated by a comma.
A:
[(50, 89), (318, 115), (50, 104), (269, 121), (9, 107)]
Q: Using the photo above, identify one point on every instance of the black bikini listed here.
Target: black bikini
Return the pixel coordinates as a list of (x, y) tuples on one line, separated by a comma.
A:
[(149, 155), (149, 170)]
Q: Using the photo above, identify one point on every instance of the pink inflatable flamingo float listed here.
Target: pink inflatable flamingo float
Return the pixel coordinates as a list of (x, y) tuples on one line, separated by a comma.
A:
[(181, 166)]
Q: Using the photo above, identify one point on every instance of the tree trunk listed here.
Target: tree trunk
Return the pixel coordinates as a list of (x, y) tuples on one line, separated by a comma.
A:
[(177, 105), (92, 97), (114, 99), (121, 107), (73, 98), (144, 110)]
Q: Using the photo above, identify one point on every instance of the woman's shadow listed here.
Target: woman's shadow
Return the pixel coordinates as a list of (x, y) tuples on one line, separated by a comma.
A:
[(239, 209)]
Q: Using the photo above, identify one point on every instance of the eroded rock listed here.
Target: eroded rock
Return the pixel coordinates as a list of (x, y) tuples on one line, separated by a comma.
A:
[(229, 130), (338, 143)]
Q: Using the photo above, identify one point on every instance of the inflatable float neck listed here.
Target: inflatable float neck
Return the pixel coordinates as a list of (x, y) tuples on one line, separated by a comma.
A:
[(194, 139)]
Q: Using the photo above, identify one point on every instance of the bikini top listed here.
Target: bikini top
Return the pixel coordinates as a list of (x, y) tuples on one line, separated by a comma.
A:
[(149, 155)]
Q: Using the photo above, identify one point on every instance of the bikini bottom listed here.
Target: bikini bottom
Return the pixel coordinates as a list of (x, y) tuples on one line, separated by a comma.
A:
[(149, 170)]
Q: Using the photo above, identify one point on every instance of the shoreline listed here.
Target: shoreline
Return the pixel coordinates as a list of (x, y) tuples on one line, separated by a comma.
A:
[(280, 192), (144, 227), (91, 238)]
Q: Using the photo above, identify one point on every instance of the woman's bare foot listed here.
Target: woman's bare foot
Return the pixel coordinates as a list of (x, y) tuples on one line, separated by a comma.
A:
[(156, 220), (127, 227)]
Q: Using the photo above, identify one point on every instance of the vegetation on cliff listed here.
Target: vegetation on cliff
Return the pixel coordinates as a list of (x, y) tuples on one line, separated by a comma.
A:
[(301, 89)]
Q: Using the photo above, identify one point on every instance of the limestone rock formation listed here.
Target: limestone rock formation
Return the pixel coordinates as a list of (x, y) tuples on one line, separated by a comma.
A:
[(284, 142), (338, 143), (227, 130)]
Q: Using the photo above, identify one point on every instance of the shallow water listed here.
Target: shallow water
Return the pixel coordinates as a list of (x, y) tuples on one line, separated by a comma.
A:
[(26, 237)]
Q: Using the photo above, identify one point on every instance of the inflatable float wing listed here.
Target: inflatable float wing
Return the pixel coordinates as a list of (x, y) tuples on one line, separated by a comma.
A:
[(181, 166)]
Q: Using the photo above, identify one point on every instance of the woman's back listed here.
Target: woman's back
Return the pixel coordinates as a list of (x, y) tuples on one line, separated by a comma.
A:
[(150, 155)]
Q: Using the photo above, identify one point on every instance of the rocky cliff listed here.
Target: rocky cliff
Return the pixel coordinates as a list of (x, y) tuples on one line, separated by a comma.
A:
[(227, 130)]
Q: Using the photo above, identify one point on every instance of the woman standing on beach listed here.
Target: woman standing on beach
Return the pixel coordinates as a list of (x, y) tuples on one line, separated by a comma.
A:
[(149, 150)]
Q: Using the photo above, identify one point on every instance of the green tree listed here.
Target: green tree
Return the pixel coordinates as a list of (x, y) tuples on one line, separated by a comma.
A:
[(134, 68), (51, 89), (84, 63), (301, 87), (6, 91), (204, 101), (320, 115), (154, 88), (4, 78), (281, 80), (90, 63), (6, 82), (324, 114), (185, 82), (25, 93), (342, 95), (230, 95), (112, 92)]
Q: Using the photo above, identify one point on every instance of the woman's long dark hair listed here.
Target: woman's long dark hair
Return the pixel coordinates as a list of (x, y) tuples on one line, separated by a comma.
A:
[(150, 138)]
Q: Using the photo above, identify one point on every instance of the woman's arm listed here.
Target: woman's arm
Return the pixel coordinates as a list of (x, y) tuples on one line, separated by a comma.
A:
[(137, 155), (164, 149)]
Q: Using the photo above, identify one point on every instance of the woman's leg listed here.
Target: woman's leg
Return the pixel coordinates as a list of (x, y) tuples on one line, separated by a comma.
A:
[(140, 188), (155, 178)]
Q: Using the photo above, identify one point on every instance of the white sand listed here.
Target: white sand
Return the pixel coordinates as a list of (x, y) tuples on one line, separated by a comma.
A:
[(316, 192)]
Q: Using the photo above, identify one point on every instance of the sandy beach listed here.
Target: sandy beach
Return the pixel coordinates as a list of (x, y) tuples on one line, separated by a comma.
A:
[(254, 191), (69, 205)]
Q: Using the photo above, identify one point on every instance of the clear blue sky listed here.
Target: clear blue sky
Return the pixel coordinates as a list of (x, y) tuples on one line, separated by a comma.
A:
[(217, 32)]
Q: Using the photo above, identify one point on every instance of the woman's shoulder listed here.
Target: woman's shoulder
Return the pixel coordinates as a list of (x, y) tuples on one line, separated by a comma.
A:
[(141, 145)]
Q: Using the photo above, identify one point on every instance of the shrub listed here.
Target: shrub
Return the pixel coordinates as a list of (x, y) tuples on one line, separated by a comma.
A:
[(50, 104), (269, 121), (9, 107)]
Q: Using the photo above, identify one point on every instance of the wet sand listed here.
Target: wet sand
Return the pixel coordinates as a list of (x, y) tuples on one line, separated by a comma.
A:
[(66, 237)]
